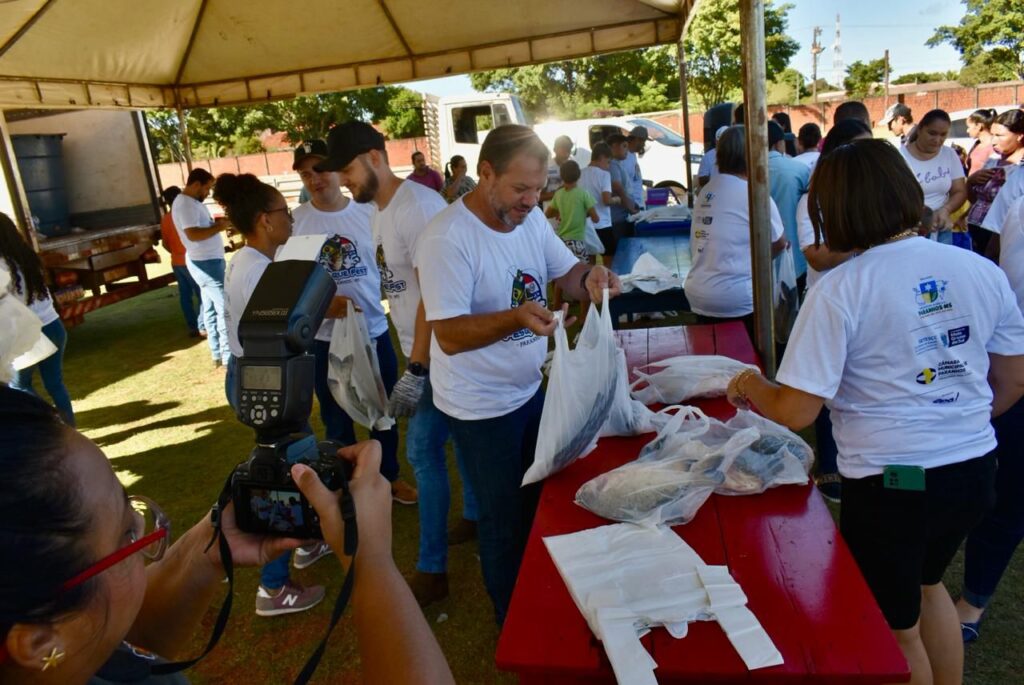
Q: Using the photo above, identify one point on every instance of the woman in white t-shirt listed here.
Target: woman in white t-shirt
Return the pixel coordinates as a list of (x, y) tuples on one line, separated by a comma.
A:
[(900, 343), (719, 286), (29, 286), (938, 171)]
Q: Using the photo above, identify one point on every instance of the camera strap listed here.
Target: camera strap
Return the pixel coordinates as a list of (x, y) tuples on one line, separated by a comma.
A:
[(348, 513)]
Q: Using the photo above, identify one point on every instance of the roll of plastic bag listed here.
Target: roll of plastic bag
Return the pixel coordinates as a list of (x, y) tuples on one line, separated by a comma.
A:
[(353, 373), (579, 397)]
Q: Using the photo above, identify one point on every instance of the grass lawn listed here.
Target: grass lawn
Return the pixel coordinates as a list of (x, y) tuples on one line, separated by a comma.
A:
[(149, 396)]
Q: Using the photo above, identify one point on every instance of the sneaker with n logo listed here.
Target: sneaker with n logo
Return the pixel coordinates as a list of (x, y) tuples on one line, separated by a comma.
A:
[(290, 599)]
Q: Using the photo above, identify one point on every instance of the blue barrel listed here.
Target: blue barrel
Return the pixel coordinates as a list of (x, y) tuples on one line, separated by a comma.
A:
[(41, 164)]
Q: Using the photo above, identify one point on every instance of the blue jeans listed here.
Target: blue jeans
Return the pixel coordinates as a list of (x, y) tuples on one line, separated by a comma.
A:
[(424, 446), (209, 276), (187, 290), (274, 575), (338, 424), (52, 371), (497, 452), (991, 545)]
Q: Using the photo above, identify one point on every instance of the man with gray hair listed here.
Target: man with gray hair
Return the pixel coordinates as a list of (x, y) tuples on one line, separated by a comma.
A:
[(484, 266)]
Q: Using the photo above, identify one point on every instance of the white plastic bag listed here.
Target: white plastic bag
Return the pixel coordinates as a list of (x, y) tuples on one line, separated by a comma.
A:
[(353, 373), (684, 378), (591, 240), (673, 476), (629, 416), (650, 276), (580, 393), (786, 298), (778, 457)]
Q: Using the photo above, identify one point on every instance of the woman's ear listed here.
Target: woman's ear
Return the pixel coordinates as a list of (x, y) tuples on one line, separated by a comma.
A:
[(34, 646)]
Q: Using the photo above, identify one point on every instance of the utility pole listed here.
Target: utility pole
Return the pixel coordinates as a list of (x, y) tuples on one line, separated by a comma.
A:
[(816, 49), (886, 102)]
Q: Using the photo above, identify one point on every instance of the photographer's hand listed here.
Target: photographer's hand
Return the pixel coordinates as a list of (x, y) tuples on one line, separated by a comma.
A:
[(247, 549), (405, 396), (371, 493)]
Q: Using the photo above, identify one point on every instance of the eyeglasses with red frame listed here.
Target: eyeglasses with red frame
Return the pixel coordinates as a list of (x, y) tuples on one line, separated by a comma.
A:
[(150, 534)]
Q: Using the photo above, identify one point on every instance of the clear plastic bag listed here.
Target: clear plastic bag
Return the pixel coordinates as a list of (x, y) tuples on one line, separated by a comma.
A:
[(629, 416), (579, 397), (591, 240), (786, 297), (684, 378), (778, 457), (353, 373), (673, 476)]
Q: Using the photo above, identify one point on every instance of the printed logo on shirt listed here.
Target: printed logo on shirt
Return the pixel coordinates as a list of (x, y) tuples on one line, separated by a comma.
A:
[(948, 398), (700, 238), (388, 284), (707, 220), (930, 296), (951, 338), (525, 288), (341, 259), (953, 368)]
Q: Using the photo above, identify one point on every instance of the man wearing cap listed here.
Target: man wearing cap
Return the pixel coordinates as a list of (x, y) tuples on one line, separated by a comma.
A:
[(899, 120), (399, 214), (637, 141), (788, 180), (484, 265), (348, 255)]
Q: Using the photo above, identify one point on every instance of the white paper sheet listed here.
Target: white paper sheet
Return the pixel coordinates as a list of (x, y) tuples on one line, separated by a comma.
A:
[(304, 248)]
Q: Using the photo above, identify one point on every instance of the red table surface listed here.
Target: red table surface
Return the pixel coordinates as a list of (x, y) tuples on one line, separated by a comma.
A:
[(782, 547)]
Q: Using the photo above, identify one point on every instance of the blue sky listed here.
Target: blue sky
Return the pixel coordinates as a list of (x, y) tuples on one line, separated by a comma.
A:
[(868, 28)]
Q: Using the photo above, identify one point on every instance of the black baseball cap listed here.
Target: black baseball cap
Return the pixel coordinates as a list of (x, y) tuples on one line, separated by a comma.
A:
[(347, 141), (309, 148)]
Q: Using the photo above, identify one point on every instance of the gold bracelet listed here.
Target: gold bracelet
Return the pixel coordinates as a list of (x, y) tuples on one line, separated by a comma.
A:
[(745, 374)]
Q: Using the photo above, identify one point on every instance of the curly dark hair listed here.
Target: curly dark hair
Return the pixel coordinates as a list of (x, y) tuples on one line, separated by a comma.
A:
[(24, 264)]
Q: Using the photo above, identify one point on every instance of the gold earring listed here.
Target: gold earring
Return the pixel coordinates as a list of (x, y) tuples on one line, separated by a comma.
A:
[(53, 661)]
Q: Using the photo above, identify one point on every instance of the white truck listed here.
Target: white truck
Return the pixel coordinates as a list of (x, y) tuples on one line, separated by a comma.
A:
[(457, 125)]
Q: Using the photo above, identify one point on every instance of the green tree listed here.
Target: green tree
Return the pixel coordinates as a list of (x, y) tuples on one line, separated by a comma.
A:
[(995, 27), (405, 115), (787, 88), (986, 68), (863, 78), (635, 81), (926, 77), (311, 116), (712, 49)]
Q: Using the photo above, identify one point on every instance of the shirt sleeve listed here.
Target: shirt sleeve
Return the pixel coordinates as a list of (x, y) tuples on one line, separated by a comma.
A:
[(1011, 190), (804, 228), (414, 224), (1008, 336), (606, 181), (816, 353), (778, 228), (955, 166), (447, 287), (252, 279), (705, 165), (185, 215)]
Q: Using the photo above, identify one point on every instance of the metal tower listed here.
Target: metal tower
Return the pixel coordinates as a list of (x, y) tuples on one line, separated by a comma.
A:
[(838, 68)]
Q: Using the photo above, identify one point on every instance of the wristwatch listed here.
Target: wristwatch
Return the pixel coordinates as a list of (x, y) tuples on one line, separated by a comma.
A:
[(417, 369)]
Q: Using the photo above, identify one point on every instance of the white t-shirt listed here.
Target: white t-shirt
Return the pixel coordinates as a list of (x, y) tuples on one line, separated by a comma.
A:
[(243, 273), (708, 166), (43, 308), (397, 230), (1011, 249), (935, 175), (720, 283), (349, 257), (188, 212), (805, 234), (596, 181), (468, 268), (897, 342), (810, 158)]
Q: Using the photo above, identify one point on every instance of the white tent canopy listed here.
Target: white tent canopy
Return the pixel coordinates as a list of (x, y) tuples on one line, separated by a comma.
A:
[(166, 53)]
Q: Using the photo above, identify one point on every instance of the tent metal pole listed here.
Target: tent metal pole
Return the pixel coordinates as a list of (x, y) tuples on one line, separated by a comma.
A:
[(684, 101), (756, 119)]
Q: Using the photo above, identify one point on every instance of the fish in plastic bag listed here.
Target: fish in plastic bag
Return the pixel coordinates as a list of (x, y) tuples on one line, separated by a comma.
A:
[(778, 457), (579, 397), (353, 373), (684, 378), (629, 416)]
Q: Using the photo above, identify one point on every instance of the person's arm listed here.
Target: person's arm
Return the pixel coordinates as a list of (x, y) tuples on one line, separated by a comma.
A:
[(396, 644), (585, 282), (778, 246), (703, 181), (822, 259), (473, 331), (793, 408), (338, 308), (181, 586), (956, 198), (608, 199), (552, 213), (196, 234), (624, 199), (592, 213), (1006, 378)]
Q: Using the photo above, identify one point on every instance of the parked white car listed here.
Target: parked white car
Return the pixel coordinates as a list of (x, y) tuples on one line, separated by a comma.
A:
[(662, 163)]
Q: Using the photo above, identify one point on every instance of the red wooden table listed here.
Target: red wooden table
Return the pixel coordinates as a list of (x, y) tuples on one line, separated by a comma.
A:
[(782, 547)]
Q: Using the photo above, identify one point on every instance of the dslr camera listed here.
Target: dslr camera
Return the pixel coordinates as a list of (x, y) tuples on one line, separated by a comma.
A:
[(273, 392)]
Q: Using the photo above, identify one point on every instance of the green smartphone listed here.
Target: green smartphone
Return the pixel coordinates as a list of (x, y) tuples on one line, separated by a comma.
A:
[(897, 477)]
